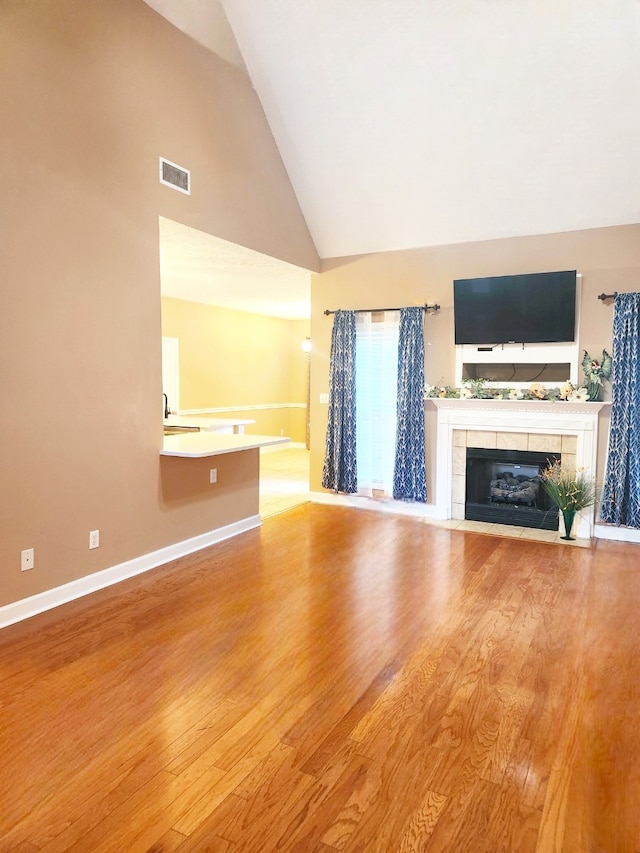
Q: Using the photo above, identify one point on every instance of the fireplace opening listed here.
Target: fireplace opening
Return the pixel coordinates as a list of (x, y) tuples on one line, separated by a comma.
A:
[(503, 487)]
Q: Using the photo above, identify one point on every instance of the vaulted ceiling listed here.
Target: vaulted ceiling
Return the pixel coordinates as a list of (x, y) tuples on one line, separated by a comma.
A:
[(406, 123)]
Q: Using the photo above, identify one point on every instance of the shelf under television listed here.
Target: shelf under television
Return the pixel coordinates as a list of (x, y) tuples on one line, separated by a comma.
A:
[(518, 365)]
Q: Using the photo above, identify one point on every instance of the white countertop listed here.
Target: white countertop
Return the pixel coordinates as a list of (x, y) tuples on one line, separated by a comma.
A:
[(198, 444), (229, 424)]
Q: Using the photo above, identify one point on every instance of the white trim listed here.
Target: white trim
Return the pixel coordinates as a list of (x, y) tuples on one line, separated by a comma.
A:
[(27, 607), (617, 534), (215, 410), (413, 509)]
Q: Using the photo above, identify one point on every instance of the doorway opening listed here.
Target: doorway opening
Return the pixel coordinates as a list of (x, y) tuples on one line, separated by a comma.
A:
[(239, 318), (284, 479)]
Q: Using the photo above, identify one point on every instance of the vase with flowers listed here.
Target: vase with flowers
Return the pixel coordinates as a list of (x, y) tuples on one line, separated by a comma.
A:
[(570, 490)]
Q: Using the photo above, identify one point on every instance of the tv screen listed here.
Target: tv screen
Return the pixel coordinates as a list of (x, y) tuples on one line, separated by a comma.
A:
[(532, 308)]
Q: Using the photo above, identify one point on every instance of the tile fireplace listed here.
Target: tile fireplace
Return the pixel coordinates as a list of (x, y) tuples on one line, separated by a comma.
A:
[(569, 430)]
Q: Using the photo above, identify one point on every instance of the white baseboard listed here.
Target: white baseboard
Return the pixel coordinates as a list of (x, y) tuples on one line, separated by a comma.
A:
[(27, 607), (618, 534), (414, 509)]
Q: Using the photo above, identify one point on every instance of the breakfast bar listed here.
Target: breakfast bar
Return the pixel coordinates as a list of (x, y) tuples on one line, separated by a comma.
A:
[(199, 444)]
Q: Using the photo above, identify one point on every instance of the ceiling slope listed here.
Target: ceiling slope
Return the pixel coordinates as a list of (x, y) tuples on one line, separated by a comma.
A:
[(200, 267), (407, 123)]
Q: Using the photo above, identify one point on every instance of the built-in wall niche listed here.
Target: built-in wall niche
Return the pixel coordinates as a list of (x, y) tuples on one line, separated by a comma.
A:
[(518, 365), (516, 373)]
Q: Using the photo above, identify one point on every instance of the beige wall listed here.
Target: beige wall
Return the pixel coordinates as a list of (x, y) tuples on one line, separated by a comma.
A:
[(91, 95), (608, 258), (234, 358)]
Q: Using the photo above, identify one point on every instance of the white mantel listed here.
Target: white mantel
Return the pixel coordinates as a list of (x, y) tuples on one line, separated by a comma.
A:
[(515, 416)]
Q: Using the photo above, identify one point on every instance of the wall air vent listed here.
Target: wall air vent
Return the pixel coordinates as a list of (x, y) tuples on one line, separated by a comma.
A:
[(174, 176)]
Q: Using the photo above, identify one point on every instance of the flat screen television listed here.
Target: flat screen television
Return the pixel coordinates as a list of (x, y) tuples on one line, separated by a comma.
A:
[(531, 308)]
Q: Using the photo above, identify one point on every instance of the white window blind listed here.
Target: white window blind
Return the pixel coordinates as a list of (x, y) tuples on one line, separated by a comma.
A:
[(376, 399)]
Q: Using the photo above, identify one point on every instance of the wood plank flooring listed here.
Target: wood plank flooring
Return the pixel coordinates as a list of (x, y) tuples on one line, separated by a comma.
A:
[(337, 680)]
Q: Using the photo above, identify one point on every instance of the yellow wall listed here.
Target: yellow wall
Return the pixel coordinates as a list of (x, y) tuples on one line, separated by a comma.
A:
[(608, 258), (236, 359), (91, 95)]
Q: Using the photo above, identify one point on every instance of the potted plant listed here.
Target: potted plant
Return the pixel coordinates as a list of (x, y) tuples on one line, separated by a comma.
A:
[(570, 490)]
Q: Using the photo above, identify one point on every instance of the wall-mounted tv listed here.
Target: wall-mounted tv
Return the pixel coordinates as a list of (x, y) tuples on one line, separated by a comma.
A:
[(531, 308)]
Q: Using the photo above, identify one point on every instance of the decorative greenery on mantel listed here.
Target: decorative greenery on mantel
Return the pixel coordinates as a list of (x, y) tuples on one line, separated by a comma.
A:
[(477, 389)]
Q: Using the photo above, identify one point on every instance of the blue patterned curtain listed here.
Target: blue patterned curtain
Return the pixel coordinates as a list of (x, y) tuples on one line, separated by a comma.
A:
[(340, 471), (621, 495), (409, 474)]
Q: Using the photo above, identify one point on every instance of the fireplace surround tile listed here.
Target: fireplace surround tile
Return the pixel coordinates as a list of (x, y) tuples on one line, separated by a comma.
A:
[(569, 444), (457, 511), (505, 530), (513, 441), (458, 489), (476, 438), (540, 535), (473, 526), (459, 460), (545, 443), (459, 438)]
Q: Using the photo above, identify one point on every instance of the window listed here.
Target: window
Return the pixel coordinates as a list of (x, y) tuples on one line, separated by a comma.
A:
[(376, 399)]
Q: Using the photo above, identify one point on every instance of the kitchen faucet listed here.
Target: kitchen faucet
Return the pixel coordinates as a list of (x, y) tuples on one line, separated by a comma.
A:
[(167, 410)]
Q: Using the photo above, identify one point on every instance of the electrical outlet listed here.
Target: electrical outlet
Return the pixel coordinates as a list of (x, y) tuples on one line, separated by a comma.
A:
[(27, 559), (324, 398), (94, 539), (213, 475)]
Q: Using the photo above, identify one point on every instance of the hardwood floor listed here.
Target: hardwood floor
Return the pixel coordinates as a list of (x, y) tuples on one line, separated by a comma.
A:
[(334, 681)]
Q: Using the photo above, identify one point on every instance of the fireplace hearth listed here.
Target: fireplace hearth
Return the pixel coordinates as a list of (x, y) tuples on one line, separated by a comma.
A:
[(503, 487)]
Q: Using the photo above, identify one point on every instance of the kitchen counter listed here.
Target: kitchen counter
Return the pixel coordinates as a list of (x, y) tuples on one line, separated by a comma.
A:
[(193, 445), (225, 425)]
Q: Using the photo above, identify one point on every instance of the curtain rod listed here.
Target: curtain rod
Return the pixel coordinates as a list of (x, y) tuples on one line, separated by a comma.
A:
[(604, 296), (435, 307)]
